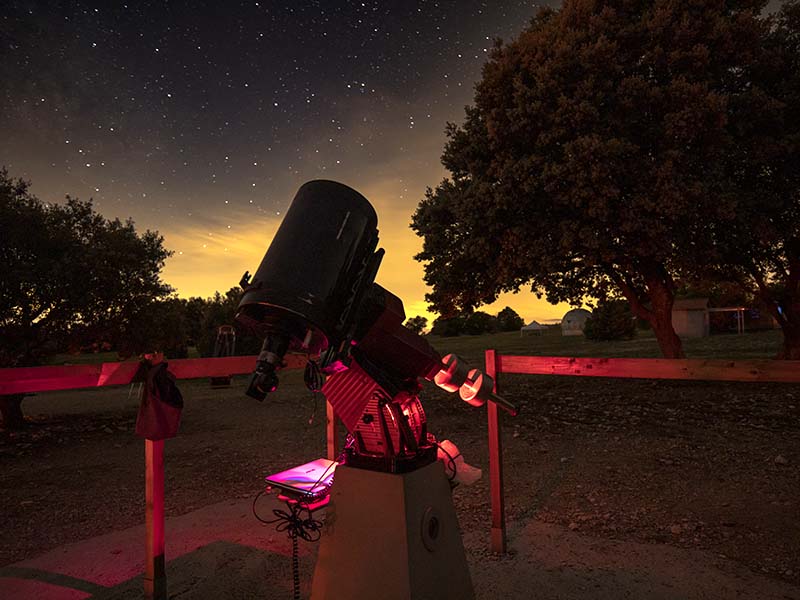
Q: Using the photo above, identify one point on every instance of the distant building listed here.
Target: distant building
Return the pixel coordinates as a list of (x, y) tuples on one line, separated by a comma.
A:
[(533, 327), (573, 321), (690, 317)]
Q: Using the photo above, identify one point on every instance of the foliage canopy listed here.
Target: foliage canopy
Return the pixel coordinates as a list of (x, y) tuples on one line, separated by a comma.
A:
[(595, 159), (759, 247), (71, 277), (417, 324), (611, 320)]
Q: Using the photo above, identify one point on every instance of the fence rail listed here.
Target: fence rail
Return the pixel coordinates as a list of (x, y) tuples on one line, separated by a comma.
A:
[(777, 371), (23, 380), (40, 379), (764, 371)]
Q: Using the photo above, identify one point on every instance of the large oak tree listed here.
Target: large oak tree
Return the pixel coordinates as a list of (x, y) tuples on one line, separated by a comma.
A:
[(759, 246), (591, 161), (69, 277)]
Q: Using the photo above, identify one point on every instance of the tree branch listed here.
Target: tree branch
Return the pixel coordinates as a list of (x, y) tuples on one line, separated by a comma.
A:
[(628, 289)]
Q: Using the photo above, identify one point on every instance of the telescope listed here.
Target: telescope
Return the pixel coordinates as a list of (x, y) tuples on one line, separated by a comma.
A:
[(315, 292), (391, 529)]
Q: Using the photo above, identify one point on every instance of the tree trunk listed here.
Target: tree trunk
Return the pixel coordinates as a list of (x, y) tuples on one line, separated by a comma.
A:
[(789, 322), (653, 303), (11, 409), (669, 342), (790, 326), (659, 293), (662, 296)]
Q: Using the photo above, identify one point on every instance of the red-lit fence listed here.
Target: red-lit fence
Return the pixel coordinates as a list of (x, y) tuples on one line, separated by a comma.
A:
[(766, 371), (39, 379), (66, 377)]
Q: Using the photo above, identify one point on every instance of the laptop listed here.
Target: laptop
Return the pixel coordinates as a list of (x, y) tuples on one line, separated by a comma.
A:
[(310, 480)]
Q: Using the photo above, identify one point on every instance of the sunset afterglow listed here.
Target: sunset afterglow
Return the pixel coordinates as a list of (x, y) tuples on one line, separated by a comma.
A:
[(206, 132)]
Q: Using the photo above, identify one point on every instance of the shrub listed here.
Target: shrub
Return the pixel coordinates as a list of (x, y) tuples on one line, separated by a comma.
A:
[(480, 322), (611, 320), (417, 324), (509, 320), (448, 327)]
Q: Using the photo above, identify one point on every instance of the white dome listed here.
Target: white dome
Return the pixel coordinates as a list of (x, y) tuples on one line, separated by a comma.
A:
[(574, 320)]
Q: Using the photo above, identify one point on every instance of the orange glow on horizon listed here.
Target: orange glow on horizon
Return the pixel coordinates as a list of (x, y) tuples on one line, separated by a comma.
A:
[(207, 261), (218, 231)]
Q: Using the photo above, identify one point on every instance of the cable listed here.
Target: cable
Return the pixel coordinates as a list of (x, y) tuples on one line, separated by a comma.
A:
[(315, 398), (295, 567), (313, 377), (291, 521), (308, 528), (295, 526), (313, 492), (451, 460)]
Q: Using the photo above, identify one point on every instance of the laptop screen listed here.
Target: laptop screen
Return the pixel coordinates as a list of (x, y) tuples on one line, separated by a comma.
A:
[(310, 479)]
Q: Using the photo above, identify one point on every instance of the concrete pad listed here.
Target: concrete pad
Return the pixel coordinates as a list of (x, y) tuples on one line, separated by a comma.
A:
[(220, 551)]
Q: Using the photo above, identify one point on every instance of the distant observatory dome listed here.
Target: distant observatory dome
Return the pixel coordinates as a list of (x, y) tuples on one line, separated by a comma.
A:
[(573, 321)]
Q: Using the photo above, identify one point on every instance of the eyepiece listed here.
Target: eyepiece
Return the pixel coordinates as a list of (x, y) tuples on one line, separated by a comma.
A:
[(264, 379)]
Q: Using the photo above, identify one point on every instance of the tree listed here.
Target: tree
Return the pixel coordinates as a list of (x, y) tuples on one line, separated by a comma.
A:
[(417, 324), (610, 320), (221, 310), (759, 245), (70, 278), (719, 292), (509, 320), (479, 322), (448, 327), (590, 163), (159, 326)]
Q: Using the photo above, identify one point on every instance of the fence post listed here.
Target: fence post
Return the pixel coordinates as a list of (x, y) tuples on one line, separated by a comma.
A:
[(330, 430), (155, 575), (498, 539)]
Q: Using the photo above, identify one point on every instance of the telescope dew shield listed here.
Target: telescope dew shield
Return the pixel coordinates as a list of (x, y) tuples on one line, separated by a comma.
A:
[(322, 259)]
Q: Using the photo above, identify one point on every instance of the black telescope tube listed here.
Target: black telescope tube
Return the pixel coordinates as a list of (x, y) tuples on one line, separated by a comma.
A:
[(315, 270)]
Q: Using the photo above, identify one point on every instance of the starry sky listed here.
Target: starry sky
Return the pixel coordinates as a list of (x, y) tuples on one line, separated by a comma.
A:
[(201, 119)]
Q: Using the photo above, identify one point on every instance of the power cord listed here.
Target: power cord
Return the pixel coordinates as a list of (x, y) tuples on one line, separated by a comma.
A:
[(452, 460), (296, 526), (314, 379)]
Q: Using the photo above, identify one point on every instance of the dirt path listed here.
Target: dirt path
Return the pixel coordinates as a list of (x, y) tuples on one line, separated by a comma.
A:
[(550, 562)]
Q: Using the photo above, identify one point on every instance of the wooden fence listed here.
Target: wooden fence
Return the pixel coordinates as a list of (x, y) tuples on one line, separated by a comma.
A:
[(39, 379), (67, 377), (766, 371)]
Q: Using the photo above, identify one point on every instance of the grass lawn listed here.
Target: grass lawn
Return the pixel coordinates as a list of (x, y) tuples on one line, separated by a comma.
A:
[(761, 344)]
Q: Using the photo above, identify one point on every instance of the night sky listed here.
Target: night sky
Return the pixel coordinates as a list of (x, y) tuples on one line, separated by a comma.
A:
[(201, 120)]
